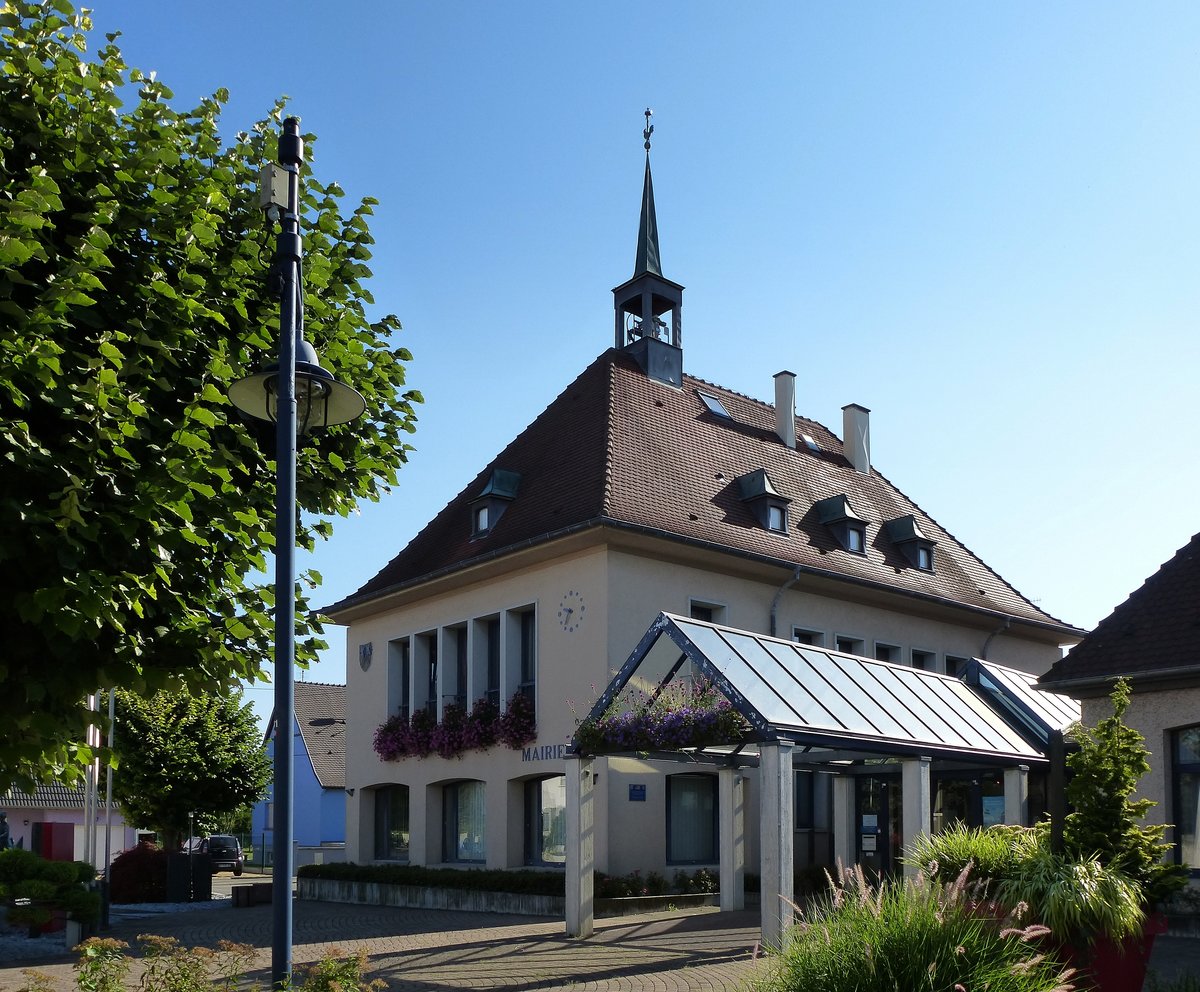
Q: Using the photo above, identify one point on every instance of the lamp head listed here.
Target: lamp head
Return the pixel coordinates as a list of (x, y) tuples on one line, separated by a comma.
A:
[(321, 400)]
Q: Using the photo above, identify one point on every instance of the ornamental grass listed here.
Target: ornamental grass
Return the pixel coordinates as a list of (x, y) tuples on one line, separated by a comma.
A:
[(919, 935)]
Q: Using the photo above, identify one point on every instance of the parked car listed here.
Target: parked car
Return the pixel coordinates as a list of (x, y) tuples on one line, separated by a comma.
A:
[(225, 852)]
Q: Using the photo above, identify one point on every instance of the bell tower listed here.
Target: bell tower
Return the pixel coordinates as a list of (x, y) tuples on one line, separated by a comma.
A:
[(641, 302)]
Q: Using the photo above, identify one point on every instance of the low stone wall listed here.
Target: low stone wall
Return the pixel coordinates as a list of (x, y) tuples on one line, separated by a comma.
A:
[(635, 905), (473, 901), (420, 897)]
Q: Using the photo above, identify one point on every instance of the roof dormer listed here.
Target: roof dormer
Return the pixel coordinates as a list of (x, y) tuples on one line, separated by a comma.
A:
[(836, 513), (768, 506), (915, 546), (488, 507)]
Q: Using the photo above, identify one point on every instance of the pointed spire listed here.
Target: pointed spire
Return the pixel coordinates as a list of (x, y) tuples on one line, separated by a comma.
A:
[(647, 247)]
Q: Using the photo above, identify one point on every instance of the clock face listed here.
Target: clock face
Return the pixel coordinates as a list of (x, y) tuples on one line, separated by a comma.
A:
[(570, 611)]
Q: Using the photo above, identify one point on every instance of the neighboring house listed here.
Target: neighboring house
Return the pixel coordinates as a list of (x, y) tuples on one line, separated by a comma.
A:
[(319, 770), (52, 822), (643, 489), (1151, 639)]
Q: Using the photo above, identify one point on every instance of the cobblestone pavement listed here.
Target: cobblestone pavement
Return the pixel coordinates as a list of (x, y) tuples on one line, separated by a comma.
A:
[(428, 950)]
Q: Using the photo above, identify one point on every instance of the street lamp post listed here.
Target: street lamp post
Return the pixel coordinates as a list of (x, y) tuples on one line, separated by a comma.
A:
[(297, 394)]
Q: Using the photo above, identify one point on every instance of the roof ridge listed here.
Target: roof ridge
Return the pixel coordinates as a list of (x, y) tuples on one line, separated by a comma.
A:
[(326, 685)]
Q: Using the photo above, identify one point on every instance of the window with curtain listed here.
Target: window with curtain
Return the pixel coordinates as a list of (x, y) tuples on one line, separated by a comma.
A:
[(692, 819), (1185, 761), (463, 816), (545, 821), (391, 823)]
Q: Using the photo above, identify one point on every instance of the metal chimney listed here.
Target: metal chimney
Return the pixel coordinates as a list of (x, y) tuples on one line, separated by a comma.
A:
[(785, 407), (856, 437)]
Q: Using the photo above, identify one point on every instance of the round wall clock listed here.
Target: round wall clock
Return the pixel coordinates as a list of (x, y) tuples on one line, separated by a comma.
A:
[(570, 611)]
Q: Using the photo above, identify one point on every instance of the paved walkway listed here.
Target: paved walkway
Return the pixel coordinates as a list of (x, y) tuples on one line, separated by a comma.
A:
[(432, 950), (427, 950)]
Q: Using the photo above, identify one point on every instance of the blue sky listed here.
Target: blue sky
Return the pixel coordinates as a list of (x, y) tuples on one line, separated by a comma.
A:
[(978, 220)]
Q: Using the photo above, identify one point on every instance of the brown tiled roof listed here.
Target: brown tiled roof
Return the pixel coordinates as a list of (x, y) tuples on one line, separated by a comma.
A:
[(621, 449), (321, 716), (1156, 630), (45, 797)]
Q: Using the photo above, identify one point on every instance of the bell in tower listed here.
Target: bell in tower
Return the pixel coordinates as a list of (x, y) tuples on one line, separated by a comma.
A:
[(642, 302)]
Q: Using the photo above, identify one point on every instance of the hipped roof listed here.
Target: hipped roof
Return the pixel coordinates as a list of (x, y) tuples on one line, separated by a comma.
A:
[(619, 449), (1153, 635)]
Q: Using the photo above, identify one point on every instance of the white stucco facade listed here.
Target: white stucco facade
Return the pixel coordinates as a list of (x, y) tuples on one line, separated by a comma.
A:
[(615, 584)]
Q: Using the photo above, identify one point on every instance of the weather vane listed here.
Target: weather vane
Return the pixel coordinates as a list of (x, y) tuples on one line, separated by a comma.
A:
[(649, 128)]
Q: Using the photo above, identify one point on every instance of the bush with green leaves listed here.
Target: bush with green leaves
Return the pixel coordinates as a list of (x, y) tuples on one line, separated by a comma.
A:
[(169, 966), (35, 889), (1105, 822), (137, 510), (1078, 898), (992, 853), (479, 879), (918, 934)]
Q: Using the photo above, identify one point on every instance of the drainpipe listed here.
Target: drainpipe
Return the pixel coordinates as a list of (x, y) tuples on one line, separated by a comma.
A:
[(779, 595), (999, 630)]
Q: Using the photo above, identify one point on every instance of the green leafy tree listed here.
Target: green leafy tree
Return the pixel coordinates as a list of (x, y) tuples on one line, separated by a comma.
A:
[(1106, 822), (136, 509), (181, 754)]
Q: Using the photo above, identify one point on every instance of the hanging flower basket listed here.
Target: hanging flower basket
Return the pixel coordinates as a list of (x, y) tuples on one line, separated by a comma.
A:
[(679, 716)]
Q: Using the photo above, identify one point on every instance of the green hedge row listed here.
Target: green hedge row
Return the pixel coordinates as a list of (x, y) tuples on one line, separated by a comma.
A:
[(542, 883)]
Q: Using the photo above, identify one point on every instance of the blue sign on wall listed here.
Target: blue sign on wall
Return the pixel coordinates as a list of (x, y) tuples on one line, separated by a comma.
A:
[(637, 793)]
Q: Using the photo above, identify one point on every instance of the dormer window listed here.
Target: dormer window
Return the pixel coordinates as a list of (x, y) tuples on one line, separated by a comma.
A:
[(488, 507), (848, 527), (768, 506), (915, 546), (776, 517), (856, 538)]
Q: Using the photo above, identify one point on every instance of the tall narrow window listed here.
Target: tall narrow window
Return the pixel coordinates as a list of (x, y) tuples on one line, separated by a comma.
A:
[(691, 819), (493, 661), (399, 686), (391, 823), (432, 641), (529, 655), (463, 822), (1185, 755), (545, 821), (459, 696)]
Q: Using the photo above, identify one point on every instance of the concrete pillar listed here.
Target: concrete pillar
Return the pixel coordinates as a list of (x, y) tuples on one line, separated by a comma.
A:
[(776, 826), (731, 802), (917, 804), (1016, 795), (580, 909), (845, 830)]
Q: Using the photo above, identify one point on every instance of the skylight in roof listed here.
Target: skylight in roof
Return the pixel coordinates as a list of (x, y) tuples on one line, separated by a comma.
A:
[(812, 445), (714, 405)]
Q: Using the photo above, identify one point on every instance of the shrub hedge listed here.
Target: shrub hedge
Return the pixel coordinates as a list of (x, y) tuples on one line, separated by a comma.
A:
[(543, 883)]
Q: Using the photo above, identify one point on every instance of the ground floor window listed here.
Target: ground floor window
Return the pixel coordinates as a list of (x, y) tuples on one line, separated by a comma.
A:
[(463, 820), (1185, 755), (545, 821), (391, 823), (691, 819)]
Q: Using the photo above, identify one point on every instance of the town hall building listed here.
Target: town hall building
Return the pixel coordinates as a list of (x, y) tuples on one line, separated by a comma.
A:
[(644, 490)]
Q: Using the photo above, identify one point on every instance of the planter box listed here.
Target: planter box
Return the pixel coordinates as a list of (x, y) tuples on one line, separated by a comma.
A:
[(635, 905), (473, 901), (420, 897)]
